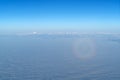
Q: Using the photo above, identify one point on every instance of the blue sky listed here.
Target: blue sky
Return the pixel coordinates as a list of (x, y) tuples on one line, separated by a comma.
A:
[(59, 15)]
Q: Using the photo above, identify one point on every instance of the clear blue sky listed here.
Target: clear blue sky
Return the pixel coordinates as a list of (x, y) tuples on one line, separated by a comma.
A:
[(58, 15)]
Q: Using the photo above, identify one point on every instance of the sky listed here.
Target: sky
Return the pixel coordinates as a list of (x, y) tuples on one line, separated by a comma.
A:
[(59, 15)]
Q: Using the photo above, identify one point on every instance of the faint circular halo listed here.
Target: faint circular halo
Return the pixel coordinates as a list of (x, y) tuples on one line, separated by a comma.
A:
[(84, 48)]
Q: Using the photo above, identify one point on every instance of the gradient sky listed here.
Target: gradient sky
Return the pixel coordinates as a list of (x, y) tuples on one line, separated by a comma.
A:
[(59, 15)]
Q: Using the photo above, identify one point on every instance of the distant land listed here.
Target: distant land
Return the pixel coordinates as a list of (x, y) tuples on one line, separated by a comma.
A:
[(52, 35)]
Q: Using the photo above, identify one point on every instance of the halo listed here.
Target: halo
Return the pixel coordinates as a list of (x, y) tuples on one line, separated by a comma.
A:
[(84, 48)]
